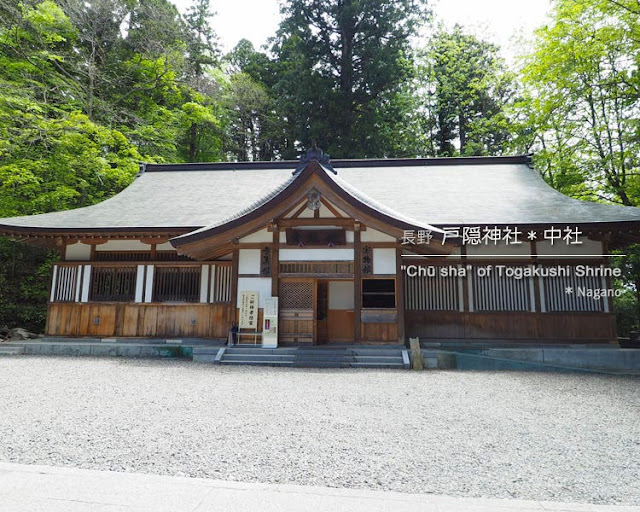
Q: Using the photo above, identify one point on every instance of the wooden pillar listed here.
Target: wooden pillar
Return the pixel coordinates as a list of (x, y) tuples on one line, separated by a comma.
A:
[(467, 280), (536, 281), (275, 262), (609, 285), (400, 296), (234, 284), (357, 283)]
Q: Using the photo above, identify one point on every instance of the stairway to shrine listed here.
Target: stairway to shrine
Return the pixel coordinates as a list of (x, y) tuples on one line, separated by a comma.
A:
[(307, 357)]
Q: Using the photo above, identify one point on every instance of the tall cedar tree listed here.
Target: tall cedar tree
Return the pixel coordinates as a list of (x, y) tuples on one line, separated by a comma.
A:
[(341, 63), (468, 89)]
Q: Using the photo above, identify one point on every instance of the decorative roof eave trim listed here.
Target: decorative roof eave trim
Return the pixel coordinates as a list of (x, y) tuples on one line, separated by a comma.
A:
[(344, 164), (313, 167), (619, 225), (8, 230)]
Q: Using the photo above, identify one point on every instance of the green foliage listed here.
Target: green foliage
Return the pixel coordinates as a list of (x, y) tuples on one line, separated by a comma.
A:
[(339, 65), (24, 277), (626, 308), (466, 90), (87, 91), (580, 111)]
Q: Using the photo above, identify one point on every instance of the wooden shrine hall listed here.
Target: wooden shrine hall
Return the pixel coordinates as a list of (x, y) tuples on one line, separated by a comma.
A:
[(345, 251)]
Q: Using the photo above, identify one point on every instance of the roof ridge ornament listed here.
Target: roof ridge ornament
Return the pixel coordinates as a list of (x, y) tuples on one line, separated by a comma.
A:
[(314, 153)]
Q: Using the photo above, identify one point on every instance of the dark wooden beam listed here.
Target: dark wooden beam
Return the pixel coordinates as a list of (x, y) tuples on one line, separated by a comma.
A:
[(275, 262), (465, 288), (400, 297), (357, 284), (331, 221), (234, 284), (536, 281), (299, 211)]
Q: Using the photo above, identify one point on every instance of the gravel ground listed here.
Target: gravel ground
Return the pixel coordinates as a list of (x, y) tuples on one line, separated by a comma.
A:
[(558, 437)]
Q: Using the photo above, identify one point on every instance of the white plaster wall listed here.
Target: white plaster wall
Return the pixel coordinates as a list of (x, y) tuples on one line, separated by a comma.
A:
[(262, 236), (262, 285), (78, 252), (123, 245), (349, 237), (371, 235), (306, 214), (560, 248), (327, 254), (476, 251), (249, 261), (384, 261), (341, 294), (165, 247)]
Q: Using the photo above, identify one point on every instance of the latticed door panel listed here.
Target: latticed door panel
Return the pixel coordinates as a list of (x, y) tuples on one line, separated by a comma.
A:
[(297, 300), (296, 294)]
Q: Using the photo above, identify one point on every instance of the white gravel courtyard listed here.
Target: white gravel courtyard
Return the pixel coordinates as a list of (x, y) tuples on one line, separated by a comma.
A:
[(541, 436)]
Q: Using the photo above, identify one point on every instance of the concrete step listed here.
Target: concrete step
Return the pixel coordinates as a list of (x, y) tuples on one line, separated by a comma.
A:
[(11, 350), (259, 350), (258, 357), (378, 359), (304, 357), (370, 364), (258, 362)]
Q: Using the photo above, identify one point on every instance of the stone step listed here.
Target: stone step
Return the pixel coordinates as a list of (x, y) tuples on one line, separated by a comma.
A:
[(257, 362), (304, 357), (258, 350), (258, 357), (369, 364), (11, 351)]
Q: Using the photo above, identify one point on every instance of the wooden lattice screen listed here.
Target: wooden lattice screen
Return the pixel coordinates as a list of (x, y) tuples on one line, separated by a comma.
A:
[(176, 284), (116, 284), (296, 295), (317, 267), (139, 256)]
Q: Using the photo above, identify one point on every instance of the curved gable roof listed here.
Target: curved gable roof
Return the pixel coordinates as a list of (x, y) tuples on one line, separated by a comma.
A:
[(439, 192)]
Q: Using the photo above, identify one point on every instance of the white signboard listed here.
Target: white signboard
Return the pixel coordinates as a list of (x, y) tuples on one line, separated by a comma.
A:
[(270, 323), (248, 310)]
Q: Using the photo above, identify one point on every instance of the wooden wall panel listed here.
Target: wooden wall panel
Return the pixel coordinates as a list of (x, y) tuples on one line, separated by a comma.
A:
[(434, 324), (453, 325), (387, 333), (220, 318), (500, 325), (139, 320), (340, 325)]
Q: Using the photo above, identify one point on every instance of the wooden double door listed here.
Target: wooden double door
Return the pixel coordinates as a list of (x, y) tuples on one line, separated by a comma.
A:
[(310, 315)]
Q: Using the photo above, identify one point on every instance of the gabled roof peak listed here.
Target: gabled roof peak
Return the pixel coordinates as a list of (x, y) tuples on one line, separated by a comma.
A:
[(314, 153)]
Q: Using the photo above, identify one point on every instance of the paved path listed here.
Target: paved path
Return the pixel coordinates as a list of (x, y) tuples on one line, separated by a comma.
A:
[(50, 489)]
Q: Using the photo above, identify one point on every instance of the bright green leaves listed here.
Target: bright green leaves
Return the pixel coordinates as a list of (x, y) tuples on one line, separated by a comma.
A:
[(63, 163), (582, 99), (466, 91)]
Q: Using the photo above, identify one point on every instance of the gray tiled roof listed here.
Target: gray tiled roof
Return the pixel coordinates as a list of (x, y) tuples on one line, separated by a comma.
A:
[(460, 192)]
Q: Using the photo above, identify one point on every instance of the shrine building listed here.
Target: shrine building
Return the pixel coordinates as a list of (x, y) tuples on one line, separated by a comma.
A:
[(354, 251)]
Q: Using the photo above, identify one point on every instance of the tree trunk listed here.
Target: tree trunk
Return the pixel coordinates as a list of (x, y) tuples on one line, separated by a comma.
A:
[(192, 143), (463, 133)]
